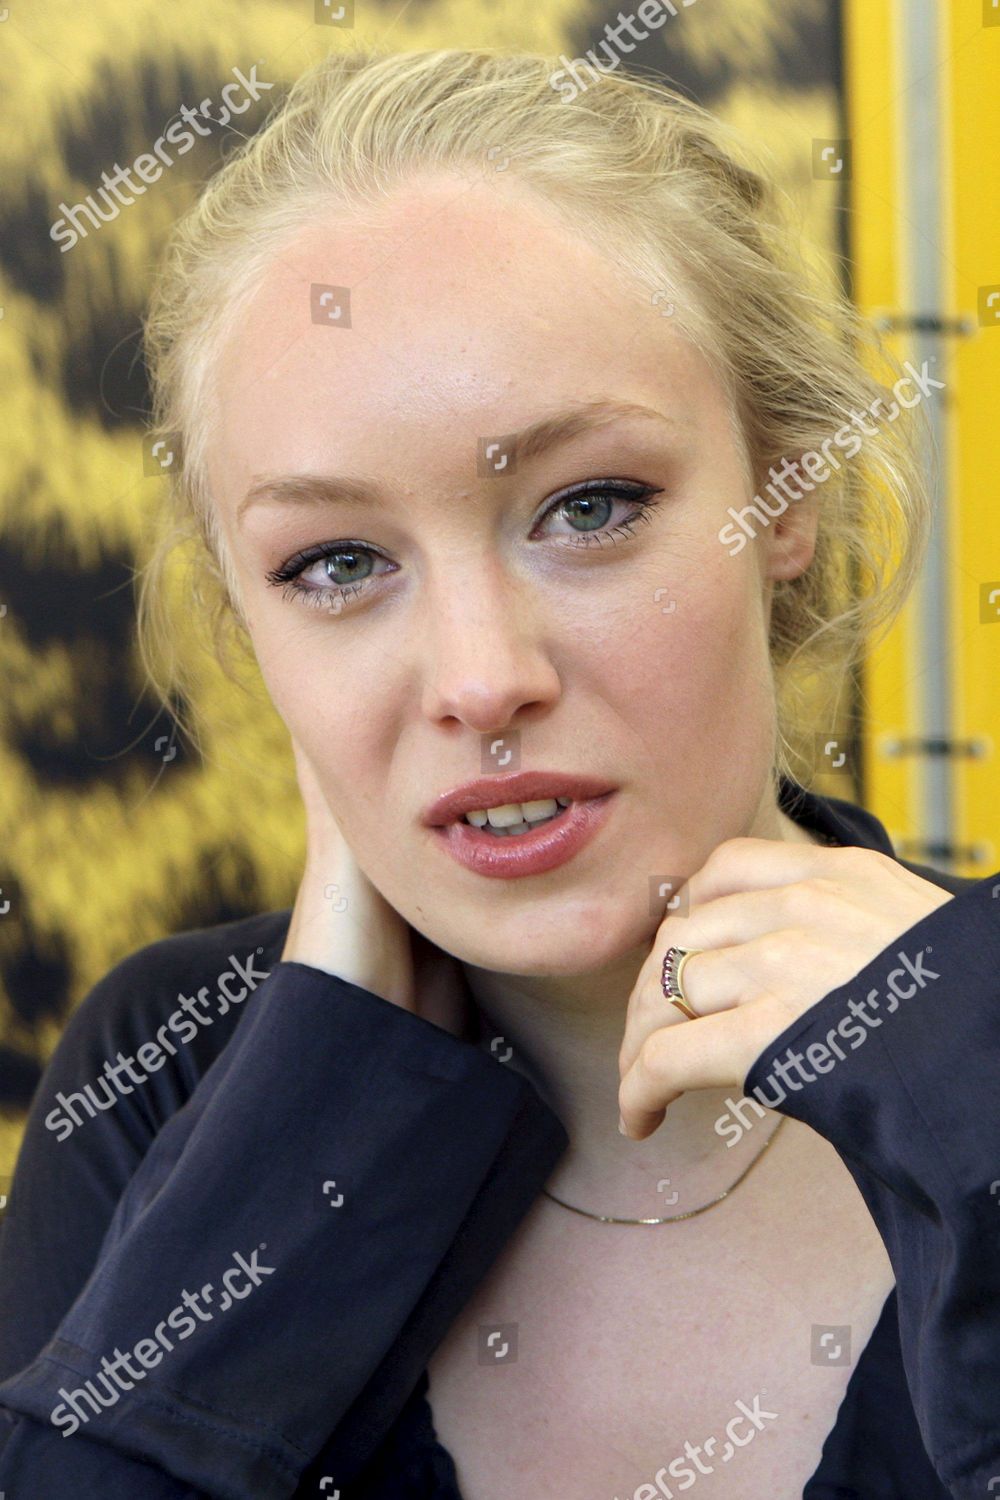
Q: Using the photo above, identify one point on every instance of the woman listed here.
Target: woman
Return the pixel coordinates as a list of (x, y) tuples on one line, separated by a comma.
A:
[(364, 1225)]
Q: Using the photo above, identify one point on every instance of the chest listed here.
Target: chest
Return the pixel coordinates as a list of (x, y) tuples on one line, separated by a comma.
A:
[(635, 1367)]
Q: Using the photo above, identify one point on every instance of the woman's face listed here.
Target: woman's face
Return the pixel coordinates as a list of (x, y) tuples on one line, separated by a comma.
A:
[(591, 637)]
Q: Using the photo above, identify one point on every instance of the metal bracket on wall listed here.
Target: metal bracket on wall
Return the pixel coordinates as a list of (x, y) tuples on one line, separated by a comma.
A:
[(954, 328), (939, 854), (970, 749), (939, 851)]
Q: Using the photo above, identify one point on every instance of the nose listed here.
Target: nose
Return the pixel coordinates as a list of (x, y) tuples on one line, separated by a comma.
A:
[(486, 657)]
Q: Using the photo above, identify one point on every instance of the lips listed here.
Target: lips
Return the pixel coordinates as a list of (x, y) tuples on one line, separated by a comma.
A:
[(545, 848), (525, 786)]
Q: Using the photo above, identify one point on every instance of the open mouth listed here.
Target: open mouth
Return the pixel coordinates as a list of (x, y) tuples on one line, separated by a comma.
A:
[(524, 838)]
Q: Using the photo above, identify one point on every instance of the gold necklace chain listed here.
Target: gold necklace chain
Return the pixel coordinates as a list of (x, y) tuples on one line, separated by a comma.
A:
[(672, 1219)]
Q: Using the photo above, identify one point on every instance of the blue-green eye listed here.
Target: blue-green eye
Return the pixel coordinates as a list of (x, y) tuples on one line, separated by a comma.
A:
[(591, 503), (354, 561)]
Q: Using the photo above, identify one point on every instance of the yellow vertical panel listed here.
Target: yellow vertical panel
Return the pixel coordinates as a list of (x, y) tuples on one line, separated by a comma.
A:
[(968, 234), (971, 66), (871, 99)]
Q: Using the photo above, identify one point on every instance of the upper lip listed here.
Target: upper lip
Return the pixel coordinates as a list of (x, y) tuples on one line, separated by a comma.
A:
[(526, 786)]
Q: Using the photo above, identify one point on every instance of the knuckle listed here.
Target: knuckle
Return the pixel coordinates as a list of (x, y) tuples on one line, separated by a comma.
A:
[(800, 898), (852, 857), (653, 1054), (727, 850)]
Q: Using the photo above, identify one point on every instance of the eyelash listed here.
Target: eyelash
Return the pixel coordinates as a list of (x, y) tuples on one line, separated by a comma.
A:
[(643, 497)]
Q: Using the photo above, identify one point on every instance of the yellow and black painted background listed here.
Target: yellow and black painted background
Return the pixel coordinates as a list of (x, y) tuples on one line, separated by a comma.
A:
[(111, 833)]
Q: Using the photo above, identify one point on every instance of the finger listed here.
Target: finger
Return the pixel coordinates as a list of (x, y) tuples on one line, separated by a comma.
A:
[(714, 980), (728, 920), (712, 1052), (746, 943), (783, 963), (747, 864)]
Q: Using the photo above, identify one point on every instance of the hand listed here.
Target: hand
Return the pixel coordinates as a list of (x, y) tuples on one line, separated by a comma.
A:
[(782, 925), (340, 923)]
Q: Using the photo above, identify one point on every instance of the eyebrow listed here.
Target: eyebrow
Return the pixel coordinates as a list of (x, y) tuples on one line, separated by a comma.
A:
[(539, 437)]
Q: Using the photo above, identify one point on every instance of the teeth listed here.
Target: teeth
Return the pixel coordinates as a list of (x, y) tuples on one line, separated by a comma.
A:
[(505, 816), (516, 815), (512, 813)]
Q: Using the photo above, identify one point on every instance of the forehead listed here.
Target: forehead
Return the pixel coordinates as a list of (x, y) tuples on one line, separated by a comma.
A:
[(471, 304)]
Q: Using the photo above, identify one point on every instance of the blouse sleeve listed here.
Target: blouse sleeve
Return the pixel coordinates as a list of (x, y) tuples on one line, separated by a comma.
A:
[(294, 1243), (900, 1070)]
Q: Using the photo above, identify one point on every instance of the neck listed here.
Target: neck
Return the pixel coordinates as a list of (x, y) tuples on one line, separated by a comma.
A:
[(565, 1033)]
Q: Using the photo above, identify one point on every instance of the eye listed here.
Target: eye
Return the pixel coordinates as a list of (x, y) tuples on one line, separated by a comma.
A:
[(353, 561), (592, 503)]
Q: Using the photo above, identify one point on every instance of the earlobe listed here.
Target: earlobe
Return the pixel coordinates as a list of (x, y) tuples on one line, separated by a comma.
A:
[(791, 535), (794, 542)]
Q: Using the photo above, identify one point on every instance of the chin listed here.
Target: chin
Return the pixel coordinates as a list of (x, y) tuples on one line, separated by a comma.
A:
[(572, 945)]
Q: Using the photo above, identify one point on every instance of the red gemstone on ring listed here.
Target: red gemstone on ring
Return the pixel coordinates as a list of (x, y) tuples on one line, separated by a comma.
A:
[(668, 982), (668, 979)]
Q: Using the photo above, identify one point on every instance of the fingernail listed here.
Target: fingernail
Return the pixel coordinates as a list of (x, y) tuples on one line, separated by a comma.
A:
[(621, 1126)]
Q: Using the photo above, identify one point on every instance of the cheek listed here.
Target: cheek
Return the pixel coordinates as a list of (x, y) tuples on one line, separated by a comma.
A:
[(331, 709), (303, 688), (690, 665), (285, 672)]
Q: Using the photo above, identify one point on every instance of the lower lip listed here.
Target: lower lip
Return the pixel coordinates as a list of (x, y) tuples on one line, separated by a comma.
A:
[(551, 845)]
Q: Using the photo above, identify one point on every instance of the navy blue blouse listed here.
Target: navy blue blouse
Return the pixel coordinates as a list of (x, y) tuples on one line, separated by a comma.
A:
[(240, 1223)]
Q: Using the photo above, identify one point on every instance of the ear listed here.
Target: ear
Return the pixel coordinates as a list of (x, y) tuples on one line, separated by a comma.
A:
[(791, 489)]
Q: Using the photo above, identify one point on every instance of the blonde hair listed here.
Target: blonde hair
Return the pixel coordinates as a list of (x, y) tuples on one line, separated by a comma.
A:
[(648, 176)]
